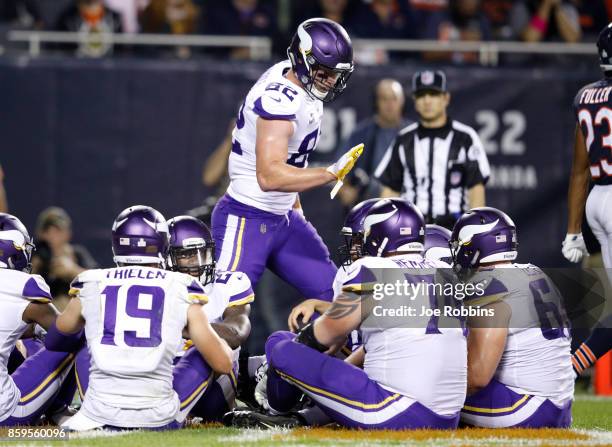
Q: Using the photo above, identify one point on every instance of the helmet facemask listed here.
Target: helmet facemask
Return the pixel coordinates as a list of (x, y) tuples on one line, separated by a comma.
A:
[(352, 249), (197, 260), (319, 85)]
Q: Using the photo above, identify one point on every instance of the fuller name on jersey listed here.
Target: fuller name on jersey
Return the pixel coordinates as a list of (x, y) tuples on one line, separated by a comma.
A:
[(593, 109)]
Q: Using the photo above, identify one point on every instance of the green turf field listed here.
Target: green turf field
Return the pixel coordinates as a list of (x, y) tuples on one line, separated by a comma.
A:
[(592, 426)]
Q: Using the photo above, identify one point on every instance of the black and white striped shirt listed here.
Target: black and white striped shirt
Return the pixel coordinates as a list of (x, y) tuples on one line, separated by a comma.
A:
[(434, 168)]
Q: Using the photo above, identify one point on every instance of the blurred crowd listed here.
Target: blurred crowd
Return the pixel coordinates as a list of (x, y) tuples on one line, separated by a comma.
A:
[(442, 20)]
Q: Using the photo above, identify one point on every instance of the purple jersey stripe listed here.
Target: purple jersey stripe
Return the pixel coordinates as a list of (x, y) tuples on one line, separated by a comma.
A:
[(34, 291), (195, 288), (241, 295), (364, 276), (258, 109)]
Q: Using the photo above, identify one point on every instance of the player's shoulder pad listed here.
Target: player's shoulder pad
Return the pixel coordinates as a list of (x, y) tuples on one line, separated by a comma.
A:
[(359, 276), (280, 100), (77, 284), (488, 289), (36, 289), (597, 84), (190, 289), (238, 287)]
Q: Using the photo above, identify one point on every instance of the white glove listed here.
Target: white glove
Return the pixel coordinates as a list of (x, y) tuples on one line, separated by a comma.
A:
[(261, 389), (573, 247)]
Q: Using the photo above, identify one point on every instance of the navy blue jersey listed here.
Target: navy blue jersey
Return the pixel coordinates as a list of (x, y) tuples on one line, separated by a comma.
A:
[(593, 108)]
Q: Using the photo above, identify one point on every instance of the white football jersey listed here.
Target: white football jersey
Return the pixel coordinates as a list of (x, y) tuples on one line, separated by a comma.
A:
[(229, 289), (535, 361), (17, 290), (430, 368), (134, 318), (272, 97)]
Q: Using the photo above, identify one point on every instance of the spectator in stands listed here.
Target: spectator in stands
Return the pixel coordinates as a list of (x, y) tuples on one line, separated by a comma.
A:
[(545, 20), (94, 19), (25, 13), (336, 10), (383, 19), (55, 258), (376, 132), (172, 17), (594, 16), (498, 14), (3, 202), (129, 11), (241, 18), (464, 21)]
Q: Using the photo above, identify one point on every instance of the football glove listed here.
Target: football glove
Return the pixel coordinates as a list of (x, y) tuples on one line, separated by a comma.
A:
[(261, 389), (343, 166), (573, 247)]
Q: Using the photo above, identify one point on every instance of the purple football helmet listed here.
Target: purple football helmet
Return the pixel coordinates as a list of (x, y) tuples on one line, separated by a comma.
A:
[(393, 225), (482, 235), (437, 246), (15, 244), (321, 49), (352, 231), (140, 236), (192, 249)]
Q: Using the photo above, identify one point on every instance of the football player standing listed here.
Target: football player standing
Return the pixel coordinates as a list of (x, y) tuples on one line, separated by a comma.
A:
[(593, 162), (259, 222)]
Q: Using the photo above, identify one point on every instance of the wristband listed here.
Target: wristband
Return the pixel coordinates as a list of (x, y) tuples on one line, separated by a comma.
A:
[(539, 23), (307, 337)]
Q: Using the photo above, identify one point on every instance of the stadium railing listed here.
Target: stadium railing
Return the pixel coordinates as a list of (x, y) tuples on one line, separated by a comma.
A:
[(261, 47)]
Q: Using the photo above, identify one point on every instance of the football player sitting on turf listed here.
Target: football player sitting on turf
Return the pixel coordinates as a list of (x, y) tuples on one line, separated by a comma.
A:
[(384, 394), (24, 299), (351, 251), (134, 317), (192, 251), (519, 362)]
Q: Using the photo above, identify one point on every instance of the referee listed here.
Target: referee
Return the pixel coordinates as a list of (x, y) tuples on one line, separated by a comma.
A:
[(439, 164)]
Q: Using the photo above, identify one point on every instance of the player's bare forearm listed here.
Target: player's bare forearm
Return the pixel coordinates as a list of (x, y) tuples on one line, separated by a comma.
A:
[(476, 196), (486, 343), (279, 176), (579, 185), (273, 172), (339, 320), (216, 165), (70, 321), (215, 350), (235, 327), (567, 30), (357, 357), (3, 201), (485, 348)]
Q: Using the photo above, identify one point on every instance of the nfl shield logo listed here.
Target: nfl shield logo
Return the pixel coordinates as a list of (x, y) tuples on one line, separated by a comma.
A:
[(427, 78), (455, 178), (262, 228)]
